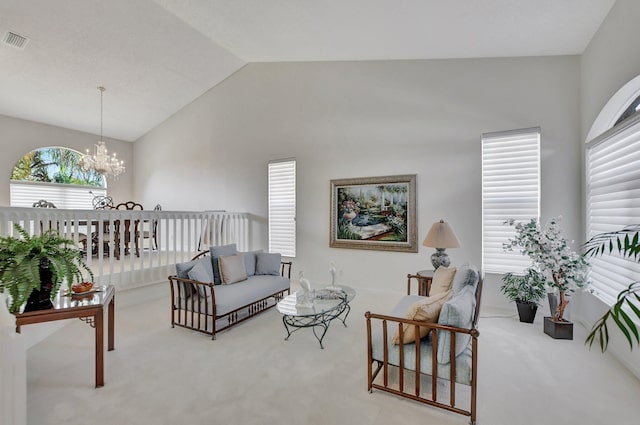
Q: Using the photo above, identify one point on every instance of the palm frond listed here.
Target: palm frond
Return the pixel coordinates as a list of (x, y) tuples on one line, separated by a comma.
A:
[(625, 241), (627, 324)]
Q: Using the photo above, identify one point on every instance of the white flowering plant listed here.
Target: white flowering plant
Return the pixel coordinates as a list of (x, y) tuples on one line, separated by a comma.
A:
[(565, 269)]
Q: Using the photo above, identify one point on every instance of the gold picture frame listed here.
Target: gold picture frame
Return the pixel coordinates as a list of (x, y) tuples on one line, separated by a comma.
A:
[(374, 213)]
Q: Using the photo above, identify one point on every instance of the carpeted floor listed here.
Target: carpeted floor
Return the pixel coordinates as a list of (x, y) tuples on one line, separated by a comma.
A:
[(250, 375)]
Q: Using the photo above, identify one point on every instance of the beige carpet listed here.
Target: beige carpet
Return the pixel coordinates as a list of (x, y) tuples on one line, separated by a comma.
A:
[(250, 375)]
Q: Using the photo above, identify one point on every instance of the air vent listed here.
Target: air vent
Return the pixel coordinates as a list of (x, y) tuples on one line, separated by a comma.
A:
[(15, 40)]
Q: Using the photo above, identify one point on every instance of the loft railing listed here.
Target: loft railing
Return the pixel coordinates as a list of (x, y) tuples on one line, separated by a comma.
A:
[(163, 238)]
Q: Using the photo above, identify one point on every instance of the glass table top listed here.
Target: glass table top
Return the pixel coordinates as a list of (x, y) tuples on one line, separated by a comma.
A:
[(321, 300)]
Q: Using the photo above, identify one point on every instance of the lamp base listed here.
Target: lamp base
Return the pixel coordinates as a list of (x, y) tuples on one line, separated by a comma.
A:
[(440, 258)]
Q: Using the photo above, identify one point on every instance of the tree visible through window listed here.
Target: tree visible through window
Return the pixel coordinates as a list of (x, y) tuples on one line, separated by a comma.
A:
[(55, 165), (54, 174)]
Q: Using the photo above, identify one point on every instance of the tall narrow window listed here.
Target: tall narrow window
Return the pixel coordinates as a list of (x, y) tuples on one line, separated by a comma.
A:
[(282, 207), (510, 190), (613, 201)]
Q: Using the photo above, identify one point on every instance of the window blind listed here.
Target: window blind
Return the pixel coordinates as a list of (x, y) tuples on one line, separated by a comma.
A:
[(613, 202), (510, 190), (24, 194), (282, 207)]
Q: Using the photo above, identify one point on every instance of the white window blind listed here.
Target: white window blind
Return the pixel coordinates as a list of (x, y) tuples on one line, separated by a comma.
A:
[(613, 202), (510, 190), (24, 194), (282, 207)]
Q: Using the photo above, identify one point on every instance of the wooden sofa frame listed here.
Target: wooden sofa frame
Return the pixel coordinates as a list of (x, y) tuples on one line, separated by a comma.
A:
[(415, 393), (193, 312)]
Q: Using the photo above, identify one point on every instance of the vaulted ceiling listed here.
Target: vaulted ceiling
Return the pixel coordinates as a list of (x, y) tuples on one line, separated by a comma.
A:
[(156, 56)]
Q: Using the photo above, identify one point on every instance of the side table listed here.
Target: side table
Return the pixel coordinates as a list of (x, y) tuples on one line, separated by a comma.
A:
[(88, 308), (425, 277)]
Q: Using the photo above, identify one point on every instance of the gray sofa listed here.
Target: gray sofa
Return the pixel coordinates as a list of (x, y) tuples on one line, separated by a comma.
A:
[(217, 289), (448, 352)]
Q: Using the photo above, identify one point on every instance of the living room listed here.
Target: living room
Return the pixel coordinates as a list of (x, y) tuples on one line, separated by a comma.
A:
[(346, 117)]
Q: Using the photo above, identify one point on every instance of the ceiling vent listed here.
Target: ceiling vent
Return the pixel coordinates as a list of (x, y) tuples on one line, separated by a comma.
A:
[(15, 40)]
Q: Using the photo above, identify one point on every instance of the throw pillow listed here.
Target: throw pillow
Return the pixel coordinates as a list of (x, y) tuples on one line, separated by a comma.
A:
[(466, 275), (219, 251), (232, 268), (182, 270), (457, 312), (426, 310), (202, 271), (268, 263), (442, 280), (250, 259)]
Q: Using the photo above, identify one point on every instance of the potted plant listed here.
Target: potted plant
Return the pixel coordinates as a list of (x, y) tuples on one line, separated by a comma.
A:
[(526, 291), (551, 254), (32, 268)]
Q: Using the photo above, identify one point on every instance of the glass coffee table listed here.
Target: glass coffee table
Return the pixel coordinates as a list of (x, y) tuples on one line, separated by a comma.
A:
[(323, 306)]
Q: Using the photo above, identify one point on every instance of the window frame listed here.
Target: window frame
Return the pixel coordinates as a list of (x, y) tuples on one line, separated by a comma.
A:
[(504, 175), (282, 206)]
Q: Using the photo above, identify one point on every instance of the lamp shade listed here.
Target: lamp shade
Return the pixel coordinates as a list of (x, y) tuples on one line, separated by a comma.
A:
[(441, 235)]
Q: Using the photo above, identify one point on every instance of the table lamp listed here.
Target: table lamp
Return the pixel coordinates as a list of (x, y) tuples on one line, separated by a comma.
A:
[(440, 237)]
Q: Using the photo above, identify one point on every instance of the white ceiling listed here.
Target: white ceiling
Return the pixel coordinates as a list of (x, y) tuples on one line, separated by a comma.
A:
[(156, 56)]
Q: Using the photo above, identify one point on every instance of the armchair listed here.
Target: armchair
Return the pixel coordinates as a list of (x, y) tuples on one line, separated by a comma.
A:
[(448, 354)]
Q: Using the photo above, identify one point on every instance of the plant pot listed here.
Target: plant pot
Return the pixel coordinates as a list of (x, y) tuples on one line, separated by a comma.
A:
[(527, 311), (553, 302), (558, 330), (41, 299)]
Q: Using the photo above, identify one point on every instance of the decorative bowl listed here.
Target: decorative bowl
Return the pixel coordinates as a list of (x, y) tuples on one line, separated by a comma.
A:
[(82, 287)]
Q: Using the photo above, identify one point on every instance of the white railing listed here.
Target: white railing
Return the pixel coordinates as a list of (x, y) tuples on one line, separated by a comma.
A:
[(13, 373), (179, 236)]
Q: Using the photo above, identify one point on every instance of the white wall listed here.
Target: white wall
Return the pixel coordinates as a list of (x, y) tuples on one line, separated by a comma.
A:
[(18, 137), (370, 118), (609, 62)]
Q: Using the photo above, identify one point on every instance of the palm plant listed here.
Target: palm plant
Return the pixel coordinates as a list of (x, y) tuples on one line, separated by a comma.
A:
[(626, 242), (22, 259)]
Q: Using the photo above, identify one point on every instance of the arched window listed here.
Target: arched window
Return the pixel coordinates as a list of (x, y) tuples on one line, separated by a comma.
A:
[(632, 109), (613, 187), (54, 174)]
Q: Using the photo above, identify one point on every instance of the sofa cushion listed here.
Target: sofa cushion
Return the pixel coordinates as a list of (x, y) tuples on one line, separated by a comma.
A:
[(182, 271), (442, 280), (255, 288), (250, 259), (268, 263), (425, 310), (219, 251), (232, 268), (466, 275), (458, 312), (463, 362), (202, 271)]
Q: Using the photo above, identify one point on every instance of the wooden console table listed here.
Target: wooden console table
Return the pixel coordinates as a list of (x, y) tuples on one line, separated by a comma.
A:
[(88, 308)]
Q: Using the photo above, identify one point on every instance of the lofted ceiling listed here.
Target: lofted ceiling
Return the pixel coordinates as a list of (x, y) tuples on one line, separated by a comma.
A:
[(156, 56)]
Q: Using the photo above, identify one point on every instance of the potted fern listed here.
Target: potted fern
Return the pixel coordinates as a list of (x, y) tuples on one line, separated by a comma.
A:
[(526, 291), (32, 268)]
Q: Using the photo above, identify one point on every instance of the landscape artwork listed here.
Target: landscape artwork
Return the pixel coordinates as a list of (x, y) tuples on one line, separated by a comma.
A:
[(374, 213)]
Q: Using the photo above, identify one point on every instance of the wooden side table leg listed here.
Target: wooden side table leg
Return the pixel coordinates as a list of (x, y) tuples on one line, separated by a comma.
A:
[(99, 322), (110, 343)]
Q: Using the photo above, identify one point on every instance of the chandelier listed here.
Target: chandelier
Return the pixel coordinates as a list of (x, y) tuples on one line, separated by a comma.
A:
[(100, 161)]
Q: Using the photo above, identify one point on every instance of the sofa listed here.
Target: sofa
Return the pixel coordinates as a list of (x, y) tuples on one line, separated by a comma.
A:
[(222, 287), (434, 334)]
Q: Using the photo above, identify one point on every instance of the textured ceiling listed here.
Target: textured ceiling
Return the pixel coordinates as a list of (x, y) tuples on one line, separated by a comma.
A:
[(155, 57)]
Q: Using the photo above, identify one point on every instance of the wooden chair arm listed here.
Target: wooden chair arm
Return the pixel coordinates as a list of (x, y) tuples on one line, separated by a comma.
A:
[(424, 284), (473, 331)]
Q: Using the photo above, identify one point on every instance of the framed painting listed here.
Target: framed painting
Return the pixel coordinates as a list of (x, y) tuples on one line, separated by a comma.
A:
[(374, 213)]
